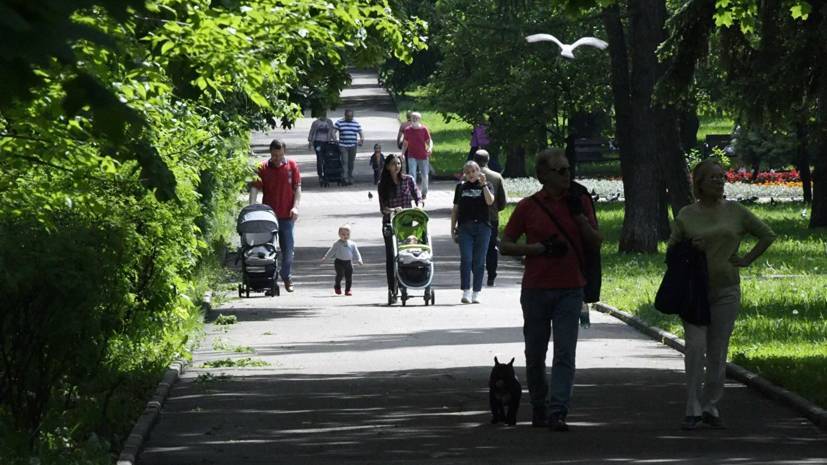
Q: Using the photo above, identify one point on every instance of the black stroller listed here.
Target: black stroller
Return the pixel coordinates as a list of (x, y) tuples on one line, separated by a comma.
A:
[(259, 252), (332, 168)]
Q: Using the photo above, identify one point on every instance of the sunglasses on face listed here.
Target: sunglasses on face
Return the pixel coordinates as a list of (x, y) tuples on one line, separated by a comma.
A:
[(562, 171)]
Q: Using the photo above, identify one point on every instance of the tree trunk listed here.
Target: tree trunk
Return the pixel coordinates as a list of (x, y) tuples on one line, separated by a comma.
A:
[(803, 161), (620, 82), (515, 162), (650, 32), (818, 214), (688, 125), (672, 159), (641, 178)]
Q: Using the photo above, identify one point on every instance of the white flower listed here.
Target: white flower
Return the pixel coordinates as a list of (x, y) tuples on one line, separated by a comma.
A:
[(795, 312), (246, 9)]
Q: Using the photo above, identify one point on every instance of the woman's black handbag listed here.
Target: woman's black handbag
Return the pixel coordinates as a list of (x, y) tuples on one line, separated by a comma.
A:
[(684, 289)]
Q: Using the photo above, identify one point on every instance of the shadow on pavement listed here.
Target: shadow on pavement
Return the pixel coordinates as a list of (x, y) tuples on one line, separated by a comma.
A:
[(441, 417)]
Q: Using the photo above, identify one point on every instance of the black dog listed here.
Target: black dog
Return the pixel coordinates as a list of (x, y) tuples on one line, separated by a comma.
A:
[(504, 389)]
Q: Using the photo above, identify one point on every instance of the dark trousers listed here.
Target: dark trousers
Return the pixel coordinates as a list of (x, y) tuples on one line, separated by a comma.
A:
[(319, 148), (389, 258), (492, 256), (344, 268)]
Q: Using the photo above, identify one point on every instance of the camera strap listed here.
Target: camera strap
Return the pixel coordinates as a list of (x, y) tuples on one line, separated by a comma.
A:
[(562, 231)]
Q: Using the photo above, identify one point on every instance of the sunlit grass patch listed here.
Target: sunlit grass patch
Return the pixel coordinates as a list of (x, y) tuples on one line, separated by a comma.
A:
[(226, 320), (235, 363)]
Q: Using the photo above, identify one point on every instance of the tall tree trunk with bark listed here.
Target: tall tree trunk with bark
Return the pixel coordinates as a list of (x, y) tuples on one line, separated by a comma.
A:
[(515, 162), (672, 160), (666, 116), (818, 213), (641, 181), (802, 161)]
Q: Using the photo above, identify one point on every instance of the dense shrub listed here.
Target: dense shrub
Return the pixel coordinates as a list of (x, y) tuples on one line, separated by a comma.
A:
[(124, 135)]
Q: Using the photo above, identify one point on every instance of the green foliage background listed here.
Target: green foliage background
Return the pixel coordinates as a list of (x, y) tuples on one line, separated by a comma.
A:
[(527, 91), (124, 134)]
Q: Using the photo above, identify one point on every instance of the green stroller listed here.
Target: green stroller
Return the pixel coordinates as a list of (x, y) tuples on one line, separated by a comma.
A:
[(413, 256)]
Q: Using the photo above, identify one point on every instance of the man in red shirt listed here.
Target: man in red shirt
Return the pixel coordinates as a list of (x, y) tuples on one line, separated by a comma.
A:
[(552, 292), (280, 182), (418, 146)]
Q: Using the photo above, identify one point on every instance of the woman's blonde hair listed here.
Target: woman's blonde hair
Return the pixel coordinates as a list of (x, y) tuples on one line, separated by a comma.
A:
[(699, 172), (470, 163)]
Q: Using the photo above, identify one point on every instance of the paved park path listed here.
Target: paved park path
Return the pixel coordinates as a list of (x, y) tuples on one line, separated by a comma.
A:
[(353, 381)]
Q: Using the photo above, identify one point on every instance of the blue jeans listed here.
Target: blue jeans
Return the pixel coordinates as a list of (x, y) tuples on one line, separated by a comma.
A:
[(424, 168), (286, 245), (546, 311), (473, 245)]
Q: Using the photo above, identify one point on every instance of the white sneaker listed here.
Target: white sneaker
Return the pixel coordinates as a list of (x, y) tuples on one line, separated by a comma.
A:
[(466, 296), (475, 297)]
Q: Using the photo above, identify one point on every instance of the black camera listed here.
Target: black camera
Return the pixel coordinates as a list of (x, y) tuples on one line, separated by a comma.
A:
[(555, 247)]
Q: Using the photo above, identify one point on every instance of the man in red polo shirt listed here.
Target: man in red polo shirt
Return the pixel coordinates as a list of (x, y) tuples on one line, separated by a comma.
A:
[(552, 293), (280, 182)]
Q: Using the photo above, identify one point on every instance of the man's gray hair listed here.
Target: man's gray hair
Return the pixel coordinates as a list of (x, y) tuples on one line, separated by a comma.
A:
[(546, 155), (482, 157)]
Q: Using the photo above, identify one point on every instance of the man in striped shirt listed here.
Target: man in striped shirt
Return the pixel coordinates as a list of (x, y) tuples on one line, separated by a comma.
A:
[(350, 136)]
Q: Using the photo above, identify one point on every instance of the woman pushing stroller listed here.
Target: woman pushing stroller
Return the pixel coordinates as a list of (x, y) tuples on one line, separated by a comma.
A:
[(396, 191)]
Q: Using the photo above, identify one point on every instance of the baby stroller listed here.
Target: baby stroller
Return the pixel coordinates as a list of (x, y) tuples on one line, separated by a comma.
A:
[(413, 265), (259, 251), (332, 169)]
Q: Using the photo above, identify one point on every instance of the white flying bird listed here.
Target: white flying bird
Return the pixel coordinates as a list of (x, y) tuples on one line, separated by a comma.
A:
[(565, 49)]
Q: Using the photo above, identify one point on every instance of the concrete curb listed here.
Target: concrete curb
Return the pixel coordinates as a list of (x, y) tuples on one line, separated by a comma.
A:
[(801, 405), (140, 432)]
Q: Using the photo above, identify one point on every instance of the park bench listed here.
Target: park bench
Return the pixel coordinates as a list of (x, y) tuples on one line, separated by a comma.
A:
[(593, 150), (721, 141)]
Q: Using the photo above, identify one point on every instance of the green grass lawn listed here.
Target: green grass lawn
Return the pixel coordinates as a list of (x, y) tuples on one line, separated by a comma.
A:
[(781, 332), (714, 125)]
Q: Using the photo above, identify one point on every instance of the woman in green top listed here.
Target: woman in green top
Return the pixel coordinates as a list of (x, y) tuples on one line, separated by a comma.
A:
[(715, 226)]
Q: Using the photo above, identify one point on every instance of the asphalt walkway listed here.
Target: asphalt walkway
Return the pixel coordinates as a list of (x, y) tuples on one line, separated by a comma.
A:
[(351, 380)]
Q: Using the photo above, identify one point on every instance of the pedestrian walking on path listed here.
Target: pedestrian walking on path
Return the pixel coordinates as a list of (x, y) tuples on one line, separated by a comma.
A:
[(377, 162), (350, 136), (279, 181), (715, 226), (344, 252), (471, 228), (495, 179), (322, 132), (418, 147), (396, 191), (557, 226)]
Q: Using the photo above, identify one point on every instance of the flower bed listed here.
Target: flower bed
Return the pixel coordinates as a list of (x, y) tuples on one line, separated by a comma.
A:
[(612, 189), (764, 177)]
